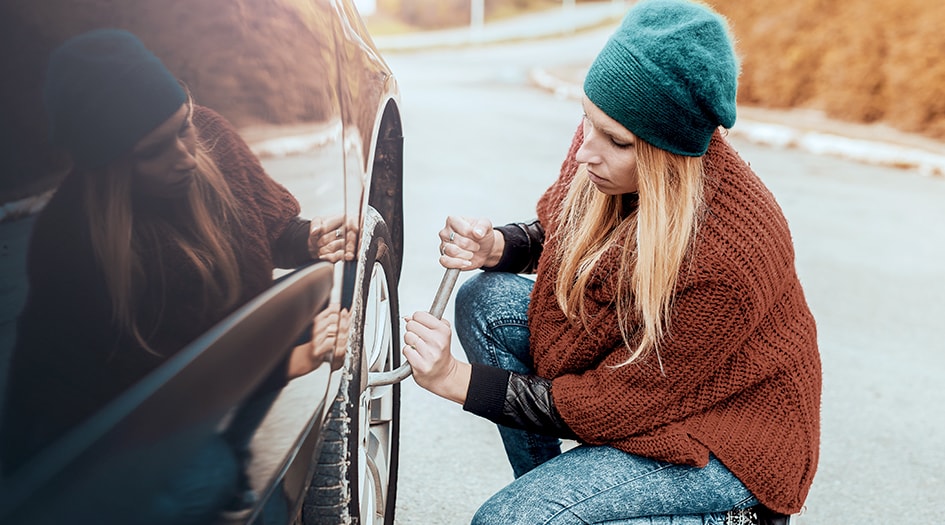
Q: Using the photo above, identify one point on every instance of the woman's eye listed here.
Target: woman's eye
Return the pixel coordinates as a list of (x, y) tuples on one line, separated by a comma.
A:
[(622, 145)]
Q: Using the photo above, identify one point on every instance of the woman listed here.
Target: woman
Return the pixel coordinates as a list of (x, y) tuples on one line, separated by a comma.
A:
[(666, 330), (165, 224)]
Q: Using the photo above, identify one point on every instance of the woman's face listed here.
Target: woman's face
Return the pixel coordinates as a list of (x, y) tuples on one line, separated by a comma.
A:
[(609, 152), (164, 160)]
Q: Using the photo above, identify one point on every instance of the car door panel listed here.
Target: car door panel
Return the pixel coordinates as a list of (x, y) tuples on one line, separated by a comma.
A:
[(308, 91), (135, 444)]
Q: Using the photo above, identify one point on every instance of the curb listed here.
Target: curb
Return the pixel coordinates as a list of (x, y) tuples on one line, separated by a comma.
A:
[(292, 144), (859, 150), (549, 24), (781, 136)]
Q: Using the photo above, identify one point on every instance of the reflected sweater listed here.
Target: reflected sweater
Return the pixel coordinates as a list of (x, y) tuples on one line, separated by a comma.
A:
[(742, 377), (70, 357)]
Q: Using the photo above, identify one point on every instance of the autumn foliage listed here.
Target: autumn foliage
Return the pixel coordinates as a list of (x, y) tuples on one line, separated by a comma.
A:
[(856, 60)]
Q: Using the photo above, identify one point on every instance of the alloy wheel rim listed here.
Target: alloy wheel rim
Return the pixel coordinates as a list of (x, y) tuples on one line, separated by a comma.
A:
[(375, 425)]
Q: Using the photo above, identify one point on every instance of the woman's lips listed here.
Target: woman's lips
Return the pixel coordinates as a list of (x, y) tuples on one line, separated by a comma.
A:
[(182, 184), (594, 178)]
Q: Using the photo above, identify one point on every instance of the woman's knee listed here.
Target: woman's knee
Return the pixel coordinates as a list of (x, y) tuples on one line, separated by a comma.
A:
[(478, 291), (496, 511), (523, 503), (491, 317), (199, 490), (489, 294)]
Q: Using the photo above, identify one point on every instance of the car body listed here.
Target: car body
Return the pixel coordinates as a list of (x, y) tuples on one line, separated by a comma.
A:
[(323, 448)]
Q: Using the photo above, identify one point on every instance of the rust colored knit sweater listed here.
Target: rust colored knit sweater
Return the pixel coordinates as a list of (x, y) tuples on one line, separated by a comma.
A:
[(742, 370)]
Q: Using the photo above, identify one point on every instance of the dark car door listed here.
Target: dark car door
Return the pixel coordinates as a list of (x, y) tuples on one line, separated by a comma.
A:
[(274, 70), (111, 468)]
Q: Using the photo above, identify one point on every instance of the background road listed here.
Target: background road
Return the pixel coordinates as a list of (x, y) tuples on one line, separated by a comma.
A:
[(870, 243)]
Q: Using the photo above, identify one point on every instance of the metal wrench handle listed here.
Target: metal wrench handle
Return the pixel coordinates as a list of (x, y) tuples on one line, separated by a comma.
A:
[(444, 292), (439, 306)]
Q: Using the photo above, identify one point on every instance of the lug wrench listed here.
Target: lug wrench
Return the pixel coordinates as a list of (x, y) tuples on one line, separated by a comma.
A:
[(439, 305)]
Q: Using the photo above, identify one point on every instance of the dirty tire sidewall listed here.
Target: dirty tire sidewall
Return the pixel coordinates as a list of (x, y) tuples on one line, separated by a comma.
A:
[(332, 498)]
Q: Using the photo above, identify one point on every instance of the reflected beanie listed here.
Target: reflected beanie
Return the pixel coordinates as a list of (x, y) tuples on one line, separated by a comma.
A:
[(669, 74), (104, 91)]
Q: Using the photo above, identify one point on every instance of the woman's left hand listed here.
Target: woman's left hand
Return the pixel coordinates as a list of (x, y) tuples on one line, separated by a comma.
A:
[(428, 352)]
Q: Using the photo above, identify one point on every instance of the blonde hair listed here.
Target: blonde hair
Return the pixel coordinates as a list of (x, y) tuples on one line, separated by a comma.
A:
[(659, 234), (119, 237)]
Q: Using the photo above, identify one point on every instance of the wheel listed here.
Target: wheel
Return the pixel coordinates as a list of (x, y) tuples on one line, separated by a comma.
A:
[(355, 479)]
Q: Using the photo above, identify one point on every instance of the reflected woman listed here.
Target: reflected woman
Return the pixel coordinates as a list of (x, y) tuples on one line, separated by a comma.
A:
[(166, 223)]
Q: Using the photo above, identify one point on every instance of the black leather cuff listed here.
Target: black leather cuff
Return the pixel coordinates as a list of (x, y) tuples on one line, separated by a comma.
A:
[(515, 401), (530, 406), (523, 246)]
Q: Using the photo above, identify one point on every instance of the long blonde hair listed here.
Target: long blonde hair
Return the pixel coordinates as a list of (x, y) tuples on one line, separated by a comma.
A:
[(659, 234), (119, 237)]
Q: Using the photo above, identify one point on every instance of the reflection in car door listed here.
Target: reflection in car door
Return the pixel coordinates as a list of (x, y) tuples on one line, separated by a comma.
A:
[(249, 84)]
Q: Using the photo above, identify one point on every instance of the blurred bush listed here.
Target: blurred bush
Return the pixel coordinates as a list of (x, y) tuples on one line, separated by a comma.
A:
[(856, 60)]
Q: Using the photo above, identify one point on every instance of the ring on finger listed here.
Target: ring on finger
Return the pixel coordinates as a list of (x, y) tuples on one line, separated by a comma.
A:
[(337, 234), (452, 236)]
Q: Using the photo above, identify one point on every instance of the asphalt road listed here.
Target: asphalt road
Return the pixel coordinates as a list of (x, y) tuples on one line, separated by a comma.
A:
[(870, 241)]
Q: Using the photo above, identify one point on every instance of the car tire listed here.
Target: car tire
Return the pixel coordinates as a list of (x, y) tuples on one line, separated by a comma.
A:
[(355, 479)]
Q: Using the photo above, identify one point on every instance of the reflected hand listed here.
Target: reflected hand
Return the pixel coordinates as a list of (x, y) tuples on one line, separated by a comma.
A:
[(330, 336), (468, 244), (330, 239), (341, 340), (328, 343)]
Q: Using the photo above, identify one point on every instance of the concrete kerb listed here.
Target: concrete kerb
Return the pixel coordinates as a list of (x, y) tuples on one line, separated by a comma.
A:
[(773, 133)]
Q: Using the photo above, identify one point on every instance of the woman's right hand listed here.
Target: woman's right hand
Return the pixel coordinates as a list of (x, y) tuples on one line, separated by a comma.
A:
[(469, 244), (427, 349)]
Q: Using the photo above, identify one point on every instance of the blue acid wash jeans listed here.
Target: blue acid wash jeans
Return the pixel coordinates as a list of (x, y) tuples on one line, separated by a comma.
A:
[(587, 484)]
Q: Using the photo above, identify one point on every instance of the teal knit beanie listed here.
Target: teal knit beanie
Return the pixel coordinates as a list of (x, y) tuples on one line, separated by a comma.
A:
[(104, 91), (669, 74)]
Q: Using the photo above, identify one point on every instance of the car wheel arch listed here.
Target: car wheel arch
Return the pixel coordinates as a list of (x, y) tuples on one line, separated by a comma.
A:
[(386, 177)]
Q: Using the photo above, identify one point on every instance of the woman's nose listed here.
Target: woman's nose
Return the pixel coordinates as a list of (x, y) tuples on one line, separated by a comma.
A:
[(184, 157), (585, 154)]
